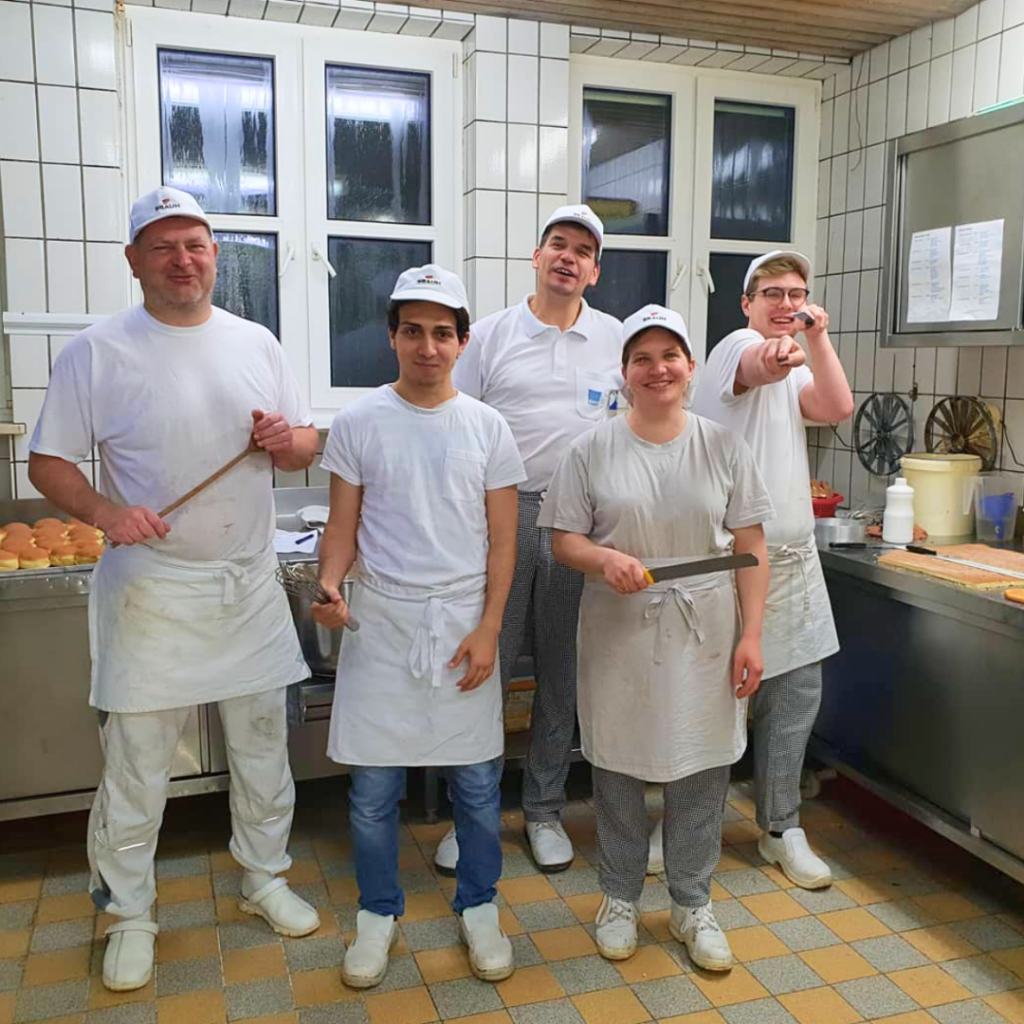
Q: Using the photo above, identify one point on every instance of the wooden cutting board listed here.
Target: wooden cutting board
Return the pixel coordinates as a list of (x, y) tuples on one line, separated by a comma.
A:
[(963, 575)]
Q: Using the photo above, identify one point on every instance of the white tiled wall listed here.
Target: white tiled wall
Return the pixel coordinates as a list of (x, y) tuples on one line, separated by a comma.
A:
[(938, 73)]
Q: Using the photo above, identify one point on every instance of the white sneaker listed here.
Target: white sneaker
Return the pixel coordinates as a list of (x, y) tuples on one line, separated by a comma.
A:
[(617, 928), (697, 929), (490, 952), (285, 912), (798, 861), (551, 847), (366, 960), (446, 856), (656, 850), (128, 960)]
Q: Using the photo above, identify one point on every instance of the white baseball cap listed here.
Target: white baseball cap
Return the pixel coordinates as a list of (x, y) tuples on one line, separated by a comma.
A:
[(164, 202), (655, 316), (581, 215), (431, 283), (803, 262)]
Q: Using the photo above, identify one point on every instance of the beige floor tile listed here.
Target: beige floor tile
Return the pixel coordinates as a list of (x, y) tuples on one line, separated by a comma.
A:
[(648, 963), (65, 908), (177, 890), (730, 861), (656, 922), (304, 871), (930, 986), (407, 1006), (221, 860), (423, 906), (564, 943), (940, 943), (528, 889), (228, 911), (492, 1017), (774, 874), (343, 890), (914, 1017), (192, 1008), (703, 1017), (443, 964), (745, 806), (770, 907), (728, 987), (291, 1017), (254, 964), (1009, 1004), (585, 907), (101, 998), (7, 1001), (49, 968), (430, 835), (737, 832), (17, 889), (873, 859), (14, 943), (530, 985), (186, 944), (615, 1006), (718, 891), (509, 922), (837, 963), (1010, 958), (311, 988), (820, 1006), (756, 943), (853, 925), (865, 891), (948, 906)]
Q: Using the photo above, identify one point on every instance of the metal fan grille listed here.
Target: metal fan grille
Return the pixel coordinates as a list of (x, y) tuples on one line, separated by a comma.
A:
[(883, 432), (960, 425)]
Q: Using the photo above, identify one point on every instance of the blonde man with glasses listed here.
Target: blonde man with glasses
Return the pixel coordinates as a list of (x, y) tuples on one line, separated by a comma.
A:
[(757, 383)]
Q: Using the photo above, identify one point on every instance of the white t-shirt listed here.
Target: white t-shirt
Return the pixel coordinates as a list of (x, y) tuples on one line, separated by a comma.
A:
[(549, 385), (769, 419), (167, 406), (424, 474)]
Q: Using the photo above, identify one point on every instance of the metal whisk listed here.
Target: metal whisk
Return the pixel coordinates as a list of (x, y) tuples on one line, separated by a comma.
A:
[(302, 580)]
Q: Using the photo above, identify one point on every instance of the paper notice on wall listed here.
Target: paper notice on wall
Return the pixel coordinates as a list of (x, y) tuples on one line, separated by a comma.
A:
[(977, 269), (928, 277)]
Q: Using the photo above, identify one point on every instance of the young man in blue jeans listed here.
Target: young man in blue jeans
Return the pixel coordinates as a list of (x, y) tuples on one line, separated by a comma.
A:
[(424, 505)]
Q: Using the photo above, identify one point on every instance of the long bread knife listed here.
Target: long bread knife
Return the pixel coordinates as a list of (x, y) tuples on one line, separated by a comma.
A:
[(916, 549), (699, 567)]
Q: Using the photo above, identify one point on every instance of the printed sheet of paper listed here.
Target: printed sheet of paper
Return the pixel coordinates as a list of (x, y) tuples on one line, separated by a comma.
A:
[(977, 270), (928, 277)]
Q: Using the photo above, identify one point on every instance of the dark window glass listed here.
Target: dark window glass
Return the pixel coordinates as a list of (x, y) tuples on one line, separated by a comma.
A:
[(725, 314), (247, 277), (629, 280), (626, 146), (378, 145), (752, 172), (217, 137), (367, 268)]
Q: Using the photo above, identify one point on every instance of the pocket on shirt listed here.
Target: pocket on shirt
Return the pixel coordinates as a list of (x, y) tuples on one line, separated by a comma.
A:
[(592, 394), (464, 475)]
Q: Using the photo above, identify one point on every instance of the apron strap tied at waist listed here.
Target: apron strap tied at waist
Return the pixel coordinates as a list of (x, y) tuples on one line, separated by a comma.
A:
[(679, 596), (426, 655), (233, 574), (786, 554)]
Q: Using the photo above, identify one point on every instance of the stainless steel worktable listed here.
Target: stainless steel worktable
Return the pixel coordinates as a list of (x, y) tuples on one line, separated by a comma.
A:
[(924, 703)]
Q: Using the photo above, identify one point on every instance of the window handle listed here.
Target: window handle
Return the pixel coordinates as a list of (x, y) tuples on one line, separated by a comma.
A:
[(705, 272), (682, 266), (287, 261), (318, 255)]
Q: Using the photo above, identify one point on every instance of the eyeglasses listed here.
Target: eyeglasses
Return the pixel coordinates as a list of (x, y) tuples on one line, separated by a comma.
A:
[(798, 296)]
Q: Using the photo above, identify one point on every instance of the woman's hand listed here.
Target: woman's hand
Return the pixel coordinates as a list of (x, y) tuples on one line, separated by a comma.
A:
[(332, 614), (623, 573), (747, 666)]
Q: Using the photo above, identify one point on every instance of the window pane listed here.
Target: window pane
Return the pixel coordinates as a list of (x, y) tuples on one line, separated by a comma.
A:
[(752, 172), (367, 269), (247, 277), (217, 137), (628, 281), (626, 144), (378, 145), (725, 314)]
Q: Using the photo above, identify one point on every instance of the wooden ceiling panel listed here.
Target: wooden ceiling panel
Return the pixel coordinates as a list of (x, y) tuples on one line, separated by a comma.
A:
[(838, 28)]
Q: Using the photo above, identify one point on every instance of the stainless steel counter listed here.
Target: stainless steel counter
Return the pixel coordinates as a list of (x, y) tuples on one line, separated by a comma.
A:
[(924, 702)]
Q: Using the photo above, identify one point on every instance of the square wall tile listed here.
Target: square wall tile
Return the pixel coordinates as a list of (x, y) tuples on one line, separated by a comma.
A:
[(554, 41), (19, 138), (23, 199), (990, 18), (65, 277), (30, 361), (522, 280), (825, 130), (489, 158), (986, 72), (836, 242), (867, 309), (871, 256), (993, 372), (920, 45), (522, 163), (1015, 373), (1013, 13), (856, 168), (899, 53), (1011, 65), (854, 236), (841, 124), (838, 189), (27, 403), (94, 38), (965, 28), (108, 277), (917, 98), (62, 200), (54, 45), (490, 86), (940, 85), (820, 257), (58, 124), (824, 187), (553, 159), (896, 112), (546, 205), (16, 41), (961, 100), (874, 176), (878, 62), (490, 34), (946, 360), (23, 489), (26, 276), (100, 132), (554, 92), (487, 294), (103, 204), (488, 221), (859, 117), (523, 73), (523, 36), (522, 216)]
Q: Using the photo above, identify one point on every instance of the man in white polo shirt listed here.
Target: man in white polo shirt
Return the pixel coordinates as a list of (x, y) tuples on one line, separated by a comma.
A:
[(550, 366)]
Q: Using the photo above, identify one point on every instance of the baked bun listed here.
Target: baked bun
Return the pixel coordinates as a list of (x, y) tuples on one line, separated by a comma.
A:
[(62, 554), (85, 554), (8, 561), (18, 545), (83, 533), (17, 529), (38, 558), (42, 524), (48, 538)]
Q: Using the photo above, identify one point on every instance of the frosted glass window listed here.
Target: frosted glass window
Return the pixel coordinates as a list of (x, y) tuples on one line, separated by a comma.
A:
[(361, 356), (247, 277), (378, 145), (752, 172), (217, 129), (626, 147), (629, 280)]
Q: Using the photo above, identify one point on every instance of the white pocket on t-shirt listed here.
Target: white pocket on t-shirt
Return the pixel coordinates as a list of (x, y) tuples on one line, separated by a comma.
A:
[(464, 475), (592, 393)]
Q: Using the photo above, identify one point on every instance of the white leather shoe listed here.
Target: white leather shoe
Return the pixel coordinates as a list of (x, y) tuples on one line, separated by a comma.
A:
[(799, 863), (285, 912), (551, 847), (656, 850), (446, 856), (490, 952), (366, 960), (697, 929), (128, 960), (616, 928)]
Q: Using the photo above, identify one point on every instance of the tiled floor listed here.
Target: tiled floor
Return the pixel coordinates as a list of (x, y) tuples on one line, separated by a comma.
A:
[(912, 932)]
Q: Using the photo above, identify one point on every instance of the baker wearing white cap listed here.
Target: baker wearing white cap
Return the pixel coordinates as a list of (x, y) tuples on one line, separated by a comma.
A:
[(184, 610), (756, 383), (664, 667), (550, 366), (423, 506)]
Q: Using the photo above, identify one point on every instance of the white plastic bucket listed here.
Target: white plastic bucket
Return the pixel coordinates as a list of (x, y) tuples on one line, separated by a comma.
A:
[(939, 483)]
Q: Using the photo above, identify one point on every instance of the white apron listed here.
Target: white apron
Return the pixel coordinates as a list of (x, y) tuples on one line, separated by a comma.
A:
[(168, 633), (655, 691), (798, 626), (395, 700)]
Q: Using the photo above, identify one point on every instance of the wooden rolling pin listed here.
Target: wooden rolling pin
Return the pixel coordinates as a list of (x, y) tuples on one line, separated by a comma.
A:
[(211, 479)]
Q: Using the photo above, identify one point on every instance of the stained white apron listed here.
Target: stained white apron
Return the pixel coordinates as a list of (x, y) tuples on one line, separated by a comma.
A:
[(798, 626), (396, 702), (655, 693), (166, 633)]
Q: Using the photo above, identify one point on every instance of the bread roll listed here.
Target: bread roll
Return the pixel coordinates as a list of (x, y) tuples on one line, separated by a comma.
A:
[(36, 559), (85, 554), (8, 561), (62, 554)]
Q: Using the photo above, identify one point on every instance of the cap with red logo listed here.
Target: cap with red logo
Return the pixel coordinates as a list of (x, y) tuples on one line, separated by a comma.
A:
[(583, 216), (431, 283), (164, 202), (655, 316)]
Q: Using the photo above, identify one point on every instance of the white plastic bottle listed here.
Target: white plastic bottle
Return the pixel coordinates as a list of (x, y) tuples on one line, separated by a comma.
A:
[(898, 521)]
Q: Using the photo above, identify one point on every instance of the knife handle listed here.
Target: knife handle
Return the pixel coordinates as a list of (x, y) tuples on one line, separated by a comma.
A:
[(918, 550), (648, 576)]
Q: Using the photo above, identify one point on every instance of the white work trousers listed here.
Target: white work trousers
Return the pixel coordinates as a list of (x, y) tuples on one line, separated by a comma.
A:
[(128, 810)]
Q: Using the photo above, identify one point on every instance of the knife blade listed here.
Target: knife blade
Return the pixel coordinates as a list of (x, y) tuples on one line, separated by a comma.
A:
[(699, 567), (916, 549)]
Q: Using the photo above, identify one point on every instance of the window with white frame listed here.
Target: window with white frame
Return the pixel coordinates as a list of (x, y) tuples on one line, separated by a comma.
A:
[(327, 161), (693, 172)]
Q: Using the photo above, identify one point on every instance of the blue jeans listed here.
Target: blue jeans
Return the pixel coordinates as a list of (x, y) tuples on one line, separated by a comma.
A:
[(475, 791)]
